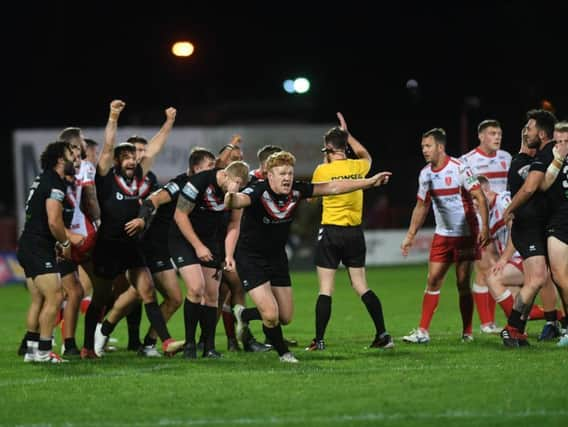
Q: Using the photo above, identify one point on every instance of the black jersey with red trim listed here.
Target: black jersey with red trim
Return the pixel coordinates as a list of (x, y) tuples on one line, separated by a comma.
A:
[(266, 222), (534, 211), (119, 200), (48, 185), (149, 185), (255, 176), (165, 213), (209, 199)]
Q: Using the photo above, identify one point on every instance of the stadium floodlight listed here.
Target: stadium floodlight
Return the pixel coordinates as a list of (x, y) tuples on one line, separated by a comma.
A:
[(301, 85), (183, 49), (289, 86)]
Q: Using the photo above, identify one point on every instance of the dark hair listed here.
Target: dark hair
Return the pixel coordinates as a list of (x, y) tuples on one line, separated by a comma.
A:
[(69, 133), (135, 139), (489, 123), (545, 120), (122, 147), (91, 142), (198, 154), (265, 152), (482, 179), (52, 153), (336, 137), (438, 134)]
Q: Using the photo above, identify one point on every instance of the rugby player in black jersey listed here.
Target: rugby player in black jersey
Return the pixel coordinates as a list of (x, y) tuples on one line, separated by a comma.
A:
[(531, 212), (44, 230), (118, 180), (134, 317), (194, 247), (270, 207), (556, 186), (156, 241)]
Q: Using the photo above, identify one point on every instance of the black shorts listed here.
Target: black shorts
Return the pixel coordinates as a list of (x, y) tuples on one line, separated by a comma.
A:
[(255, 269), (183, 254), (157, 253), (36, 255), (114, 257), (67, 267), (529, 239), (337, 244), (558, 227)]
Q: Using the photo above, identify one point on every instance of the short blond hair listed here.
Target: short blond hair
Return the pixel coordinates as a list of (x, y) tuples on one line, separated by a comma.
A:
[(282, 158), (238, 169), (561, 126)]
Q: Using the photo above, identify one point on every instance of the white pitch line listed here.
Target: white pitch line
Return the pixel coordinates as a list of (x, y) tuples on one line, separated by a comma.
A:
[(337, 419)]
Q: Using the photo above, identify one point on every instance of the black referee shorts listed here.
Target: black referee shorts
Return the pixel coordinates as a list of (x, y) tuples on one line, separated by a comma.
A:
[(337, 244)]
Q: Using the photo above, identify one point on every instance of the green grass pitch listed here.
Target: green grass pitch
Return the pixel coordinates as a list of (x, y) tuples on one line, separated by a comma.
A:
[(443, 383)]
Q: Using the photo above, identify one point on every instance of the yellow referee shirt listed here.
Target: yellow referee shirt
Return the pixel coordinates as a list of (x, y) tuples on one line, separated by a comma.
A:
[(344, 209)]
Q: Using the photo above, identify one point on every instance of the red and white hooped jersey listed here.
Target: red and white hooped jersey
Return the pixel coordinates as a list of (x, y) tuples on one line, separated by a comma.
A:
[(497, 227), (449, 189), (85, 176), (493, 166)]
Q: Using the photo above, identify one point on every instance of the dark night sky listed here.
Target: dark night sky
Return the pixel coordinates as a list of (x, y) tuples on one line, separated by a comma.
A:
[(63, 65)]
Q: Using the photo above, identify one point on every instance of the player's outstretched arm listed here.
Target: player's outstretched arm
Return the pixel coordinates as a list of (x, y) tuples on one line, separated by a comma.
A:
[(158, 141), (107, 155), (234, 200), (342, 186), (224, 157)]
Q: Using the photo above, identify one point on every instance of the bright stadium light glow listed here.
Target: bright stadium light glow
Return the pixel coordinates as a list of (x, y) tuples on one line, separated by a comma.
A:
[(301, 85), (182, 49), (289, 86)]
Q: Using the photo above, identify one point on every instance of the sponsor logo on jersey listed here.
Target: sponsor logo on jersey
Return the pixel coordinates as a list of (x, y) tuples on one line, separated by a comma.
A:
[(119, 196), (190, 191), (448, 180)]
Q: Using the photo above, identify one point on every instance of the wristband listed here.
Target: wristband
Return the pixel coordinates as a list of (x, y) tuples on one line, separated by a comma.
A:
[(65, 244), (146, 211), (553, 169)]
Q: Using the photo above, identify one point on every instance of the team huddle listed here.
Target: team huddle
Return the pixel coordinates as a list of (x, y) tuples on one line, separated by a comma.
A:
[(101, 236)]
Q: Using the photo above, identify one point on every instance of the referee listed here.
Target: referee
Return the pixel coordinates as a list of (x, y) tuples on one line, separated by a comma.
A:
[(340, 238)]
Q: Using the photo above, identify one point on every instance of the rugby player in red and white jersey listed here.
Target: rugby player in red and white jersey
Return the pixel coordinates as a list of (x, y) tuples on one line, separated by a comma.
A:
[(489, 160), (508, 270), (450, 185), (82, 233)]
